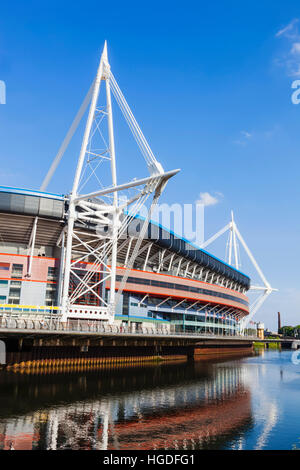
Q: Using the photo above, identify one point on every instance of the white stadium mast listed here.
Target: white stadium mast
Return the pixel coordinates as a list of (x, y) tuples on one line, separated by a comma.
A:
[(233, 259), (105, 207)]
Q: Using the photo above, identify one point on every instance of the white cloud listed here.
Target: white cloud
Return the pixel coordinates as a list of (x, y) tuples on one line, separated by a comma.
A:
[(290, 58), (207, 199), (295, 48), (288, 30), (245, 136), (295, 71)]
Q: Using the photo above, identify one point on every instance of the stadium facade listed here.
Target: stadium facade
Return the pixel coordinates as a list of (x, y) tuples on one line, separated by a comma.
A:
[(172, 285), (89, 256)]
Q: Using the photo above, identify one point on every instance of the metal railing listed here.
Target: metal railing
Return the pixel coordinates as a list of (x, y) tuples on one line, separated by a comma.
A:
[(54, 325)]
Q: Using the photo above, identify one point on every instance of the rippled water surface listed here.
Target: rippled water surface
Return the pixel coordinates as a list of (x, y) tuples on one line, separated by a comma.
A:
[(248, 403)]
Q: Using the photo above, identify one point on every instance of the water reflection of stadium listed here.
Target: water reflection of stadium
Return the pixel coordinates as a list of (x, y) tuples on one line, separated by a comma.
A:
[(163, 407)]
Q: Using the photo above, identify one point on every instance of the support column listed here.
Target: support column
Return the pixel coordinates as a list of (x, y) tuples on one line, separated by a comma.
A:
[(31, 245), (112, 302), (73, 195)]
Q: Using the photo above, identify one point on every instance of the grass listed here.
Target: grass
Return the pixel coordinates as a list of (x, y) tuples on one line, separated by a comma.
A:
[(262, 345)]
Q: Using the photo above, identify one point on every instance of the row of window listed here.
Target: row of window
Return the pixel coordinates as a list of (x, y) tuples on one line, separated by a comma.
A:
[(17, 270), (135, 304), (50, 293), (14, 293), (182, 287), (195, 318)]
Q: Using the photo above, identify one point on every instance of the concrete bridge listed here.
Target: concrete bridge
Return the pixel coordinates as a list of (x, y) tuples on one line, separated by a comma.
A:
[(28, 342), (287, 342)]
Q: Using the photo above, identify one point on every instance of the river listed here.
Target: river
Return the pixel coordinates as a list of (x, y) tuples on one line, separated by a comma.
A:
[(246, 403)]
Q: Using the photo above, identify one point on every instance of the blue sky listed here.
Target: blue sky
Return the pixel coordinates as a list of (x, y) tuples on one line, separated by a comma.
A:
[(210, 84)]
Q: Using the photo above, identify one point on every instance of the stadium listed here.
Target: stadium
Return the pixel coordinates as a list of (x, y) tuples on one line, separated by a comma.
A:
[(171, 285), (89, 255)]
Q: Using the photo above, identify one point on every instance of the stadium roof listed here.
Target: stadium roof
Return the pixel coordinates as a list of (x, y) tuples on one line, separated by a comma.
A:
[(28, 203)]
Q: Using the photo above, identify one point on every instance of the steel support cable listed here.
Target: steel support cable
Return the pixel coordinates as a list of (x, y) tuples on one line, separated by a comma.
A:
[(136, 127), (134, 133), (67, 139), (149, 157), (131, 120), (149, 161)]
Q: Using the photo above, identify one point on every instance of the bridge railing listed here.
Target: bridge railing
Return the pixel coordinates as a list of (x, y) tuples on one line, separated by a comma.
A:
[(54, 325)]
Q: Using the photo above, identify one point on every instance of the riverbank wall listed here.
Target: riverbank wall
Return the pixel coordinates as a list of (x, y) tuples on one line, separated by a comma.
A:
[(64, 349)]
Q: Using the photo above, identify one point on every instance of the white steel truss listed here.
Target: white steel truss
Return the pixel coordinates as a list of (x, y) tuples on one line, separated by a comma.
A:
[(90, 256), (31, 246), (233, 258)]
